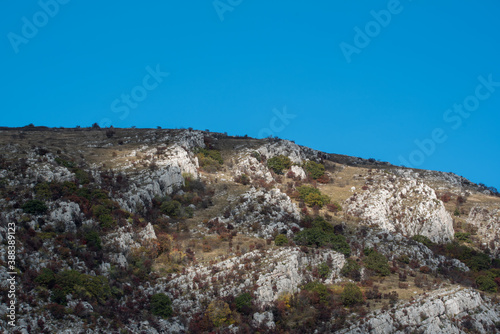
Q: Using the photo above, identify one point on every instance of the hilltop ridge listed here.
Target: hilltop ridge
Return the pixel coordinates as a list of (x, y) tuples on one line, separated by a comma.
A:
[(185, 230)]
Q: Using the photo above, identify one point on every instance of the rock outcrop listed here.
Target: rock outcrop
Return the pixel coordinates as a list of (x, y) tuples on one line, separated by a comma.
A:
[(401, 205), (452, 310), (487, 225)]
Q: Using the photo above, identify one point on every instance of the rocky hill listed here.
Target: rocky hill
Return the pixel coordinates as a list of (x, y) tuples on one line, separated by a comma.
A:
[(185, 231)]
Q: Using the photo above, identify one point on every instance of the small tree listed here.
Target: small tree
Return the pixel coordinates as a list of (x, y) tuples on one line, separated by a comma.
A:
[(314, 169), (323, 270), (243, 302), (377, 262), (161, 305), (351, 269), (279, 163), (351, 295), (219, 313), (281, 240), (35, 207)]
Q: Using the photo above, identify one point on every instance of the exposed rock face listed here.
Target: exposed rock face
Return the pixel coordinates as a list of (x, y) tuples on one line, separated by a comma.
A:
[(272, 272), (66, 213), (271, 210), (487, 223), (287, 272), (394, 246), (443, 311), (401, 205), (49, 172), (299, 172), (251, 167), (164, 180), (283, 147)]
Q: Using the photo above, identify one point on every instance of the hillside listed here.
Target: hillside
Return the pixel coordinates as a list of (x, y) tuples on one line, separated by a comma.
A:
[(186, 231)]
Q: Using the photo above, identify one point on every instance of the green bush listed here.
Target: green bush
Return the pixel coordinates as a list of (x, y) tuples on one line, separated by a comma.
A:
[(68, 280), (351, 295), (65, 163), (93, 239), (320, 289), (323, 270), (424, 240), (314, 169), (96, 288), (463, 236), (42, 191), (312, 196), (475, 260), (486, 283), (279, 163), (281, 240), (377, 262), (103, 215), (46, 278), (35, 207), (219, 313), (243, 302), (210, 160), (161, 305), (58, 296), (351, 269), (316, 237), (171, 208), (81, 176)]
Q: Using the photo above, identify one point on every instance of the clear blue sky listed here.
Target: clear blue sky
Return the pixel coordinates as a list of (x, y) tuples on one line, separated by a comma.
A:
[(233, 66)]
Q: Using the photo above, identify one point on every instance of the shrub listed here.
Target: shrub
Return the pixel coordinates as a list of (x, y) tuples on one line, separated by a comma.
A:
[(243, 302), (161, 305), (320, 289), (317, 237), (171, 208), (58, 296), (57, 311), (314, 169), (281, 240), (463, 236), (323, 270), (279, 163), (312, 196), (377, 262), (46, 278), (42, 191), (351, 269), (334, 207), (210, 160), (486, 283), (351, 295), (219, 313), (423, 239), (93, 239), (35, 207)]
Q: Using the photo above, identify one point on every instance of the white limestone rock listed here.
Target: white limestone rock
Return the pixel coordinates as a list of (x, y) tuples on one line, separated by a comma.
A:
[(442, 311), (253, 168), (487, 223), (403, 205), (283, 147), (275, 272), (299, 172), (271, 210), (67, 213), (264, 318)]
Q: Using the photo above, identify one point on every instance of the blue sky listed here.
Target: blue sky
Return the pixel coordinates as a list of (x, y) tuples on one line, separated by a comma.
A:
[(376, 79)]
